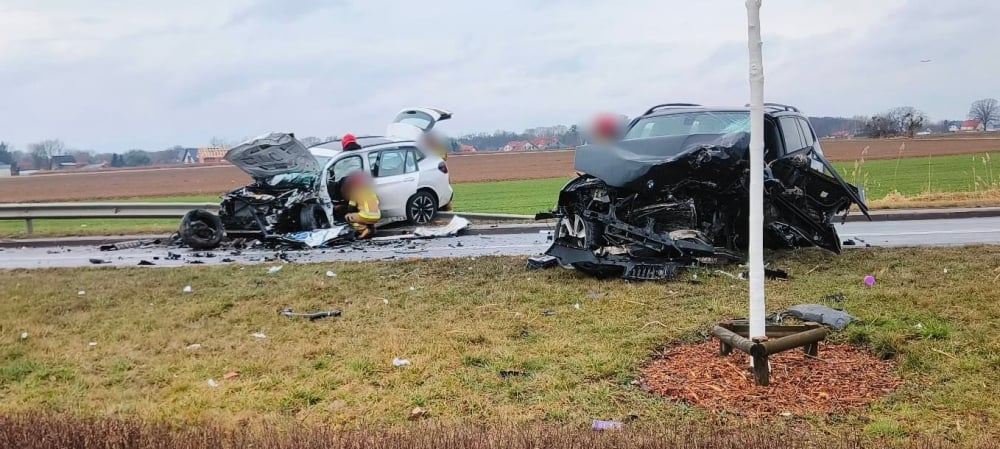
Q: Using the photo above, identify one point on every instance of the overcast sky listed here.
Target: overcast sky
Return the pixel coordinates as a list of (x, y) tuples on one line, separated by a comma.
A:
[(113, 75)]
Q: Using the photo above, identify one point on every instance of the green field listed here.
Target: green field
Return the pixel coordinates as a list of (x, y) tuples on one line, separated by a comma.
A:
[(461, 322), (919, 175), (907, 176)]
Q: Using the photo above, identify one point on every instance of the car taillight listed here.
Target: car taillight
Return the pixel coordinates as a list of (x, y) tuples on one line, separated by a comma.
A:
[(443, 167)]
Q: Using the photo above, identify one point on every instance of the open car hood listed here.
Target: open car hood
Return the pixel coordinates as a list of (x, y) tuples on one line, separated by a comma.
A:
[(273, 154)]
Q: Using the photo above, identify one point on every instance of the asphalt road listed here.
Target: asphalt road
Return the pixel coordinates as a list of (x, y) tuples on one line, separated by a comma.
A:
[(896, 233)]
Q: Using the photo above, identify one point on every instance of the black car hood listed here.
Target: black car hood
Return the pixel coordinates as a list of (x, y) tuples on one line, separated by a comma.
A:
[(631, 164)]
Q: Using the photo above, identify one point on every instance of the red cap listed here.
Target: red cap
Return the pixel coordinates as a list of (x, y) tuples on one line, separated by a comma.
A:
[(606, 126), (347, 140)]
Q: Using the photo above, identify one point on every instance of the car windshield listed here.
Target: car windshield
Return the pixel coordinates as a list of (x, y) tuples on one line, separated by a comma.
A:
[(689, 123)]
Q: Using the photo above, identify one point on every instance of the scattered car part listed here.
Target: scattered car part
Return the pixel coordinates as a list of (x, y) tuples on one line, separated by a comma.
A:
[(99, 261), (453, 228), (600, 425), (836, 319), (542, 262), (674, 193), (201, 229), (310, 316), (128, 245)]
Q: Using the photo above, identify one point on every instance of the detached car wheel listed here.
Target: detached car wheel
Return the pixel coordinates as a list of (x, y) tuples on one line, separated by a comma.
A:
[(312, 217), (422, 207), (201, 229)]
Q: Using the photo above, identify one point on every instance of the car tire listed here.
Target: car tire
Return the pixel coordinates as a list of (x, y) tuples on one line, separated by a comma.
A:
[(422, 207), (312, 217), (201, 229)]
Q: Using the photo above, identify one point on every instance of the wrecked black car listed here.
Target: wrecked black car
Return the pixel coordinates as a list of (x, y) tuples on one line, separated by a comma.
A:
[(673, 192), (284, 197)]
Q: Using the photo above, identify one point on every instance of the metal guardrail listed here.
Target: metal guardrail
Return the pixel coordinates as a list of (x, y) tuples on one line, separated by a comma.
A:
[(47, 211)]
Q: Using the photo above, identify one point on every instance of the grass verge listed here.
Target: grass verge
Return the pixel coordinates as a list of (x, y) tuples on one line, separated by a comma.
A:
[(461, 323)]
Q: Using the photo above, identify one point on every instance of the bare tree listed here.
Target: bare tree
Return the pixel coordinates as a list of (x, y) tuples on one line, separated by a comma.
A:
[(987, 111), (220, 142), (42, 152), (310, 141)]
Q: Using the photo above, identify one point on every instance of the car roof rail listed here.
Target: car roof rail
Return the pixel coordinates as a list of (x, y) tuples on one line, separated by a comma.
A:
[(669, 105), (784, 107)]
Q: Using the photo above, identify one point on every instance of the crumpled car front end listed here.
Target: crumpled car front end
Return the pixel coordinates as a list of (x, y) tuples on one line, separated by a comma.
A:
[(284, 197), (649, 207)]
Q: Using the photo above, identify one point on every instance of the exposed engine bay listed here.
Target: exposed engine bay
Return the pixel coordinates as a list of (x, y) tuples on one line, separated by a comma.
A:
[(648, 207)]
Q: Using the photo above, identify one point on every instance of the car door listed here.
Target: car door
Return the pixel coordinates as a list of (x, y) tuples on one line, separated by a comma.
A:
[(395, 175), (410, 123)]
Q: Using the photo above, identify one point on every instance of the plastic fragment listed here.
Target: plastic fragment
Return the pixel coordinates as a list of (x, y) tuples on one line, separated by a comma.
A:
[(258, 335), (24, 335), (870, 280), (331, 274), (274, 269), (398, 362), (193, 347), (92, 344), (187, 289), (81, 293), (600, 425), (212, 383)]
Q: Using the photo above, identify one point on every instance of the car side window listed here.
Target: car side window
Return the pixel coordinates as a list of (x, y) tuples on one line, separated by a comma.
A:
[(807, 132), (794, 141), (344, 167), (391, 163)]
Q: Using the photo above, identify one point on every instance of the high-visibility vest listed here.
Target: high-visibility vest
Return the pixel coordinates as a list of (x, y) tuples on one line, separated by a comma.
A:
[(366, 201)]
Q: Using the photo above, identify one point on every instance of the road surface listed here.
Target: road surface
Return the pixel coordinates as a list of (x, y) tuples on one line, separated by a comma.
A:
[(885, 234)]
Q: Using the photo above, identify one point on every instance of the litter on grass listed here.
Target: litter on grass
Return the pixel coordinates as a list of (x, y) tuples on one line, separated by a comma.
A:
[(187, 289), (398, 362)]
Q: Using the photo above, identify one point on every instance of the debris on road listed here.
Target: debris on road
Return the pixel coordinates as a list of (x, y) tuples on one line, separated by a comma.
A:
[(145, 262), (600, 425), (835, 319), (398, 362), (310, 316), (318, 238), (99, 261), (453, 228), (698, 376), (128, 245)]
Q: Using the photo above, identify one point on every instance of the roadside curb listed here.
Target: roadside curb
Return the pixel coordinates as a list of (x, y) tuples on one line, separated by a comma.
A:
[(525, 225)]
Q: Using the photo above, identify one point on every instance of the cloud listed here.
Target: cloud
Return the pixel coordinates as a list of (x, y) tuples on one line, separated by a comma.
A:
[(117, 75)]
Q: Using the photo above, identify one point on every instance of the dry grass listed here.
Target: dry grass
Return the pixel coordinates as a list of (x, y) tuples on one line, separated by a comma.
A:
[(983, 198), (44, 432), (463, 323)]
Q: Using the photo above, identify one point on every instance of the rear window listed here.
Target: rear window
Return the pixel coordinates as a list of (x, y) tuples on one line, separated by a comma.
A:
[(419, 119), (689, 123)]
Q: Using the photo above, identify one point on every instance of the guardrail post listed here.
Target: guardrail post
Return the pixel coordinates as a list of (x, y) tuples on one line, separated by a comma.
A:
[(31, 225)]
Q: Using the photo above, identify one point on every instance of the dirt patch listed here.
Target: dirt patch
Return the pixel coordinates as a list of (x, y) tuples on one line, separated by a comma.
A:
[(855, 149), (842, 378)]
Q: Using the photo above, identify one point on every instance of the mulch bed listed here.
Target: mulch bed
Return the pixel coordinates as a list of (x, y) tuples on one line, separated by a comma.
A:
[(842, 378)]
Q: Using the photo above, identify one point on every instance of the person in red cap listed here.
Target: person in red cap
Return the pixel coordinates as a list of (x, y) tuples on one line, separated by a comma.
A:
[(606, 128), (349, 143)]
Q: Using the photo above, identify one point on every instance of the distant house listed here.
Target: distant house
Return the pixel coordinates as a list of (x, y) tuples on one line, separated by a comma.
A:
[(953, 128), (840, 135), (61, 162), (7, 170), (212, 155), (544, 143), (517, 145), (971, 126), (466, 149)]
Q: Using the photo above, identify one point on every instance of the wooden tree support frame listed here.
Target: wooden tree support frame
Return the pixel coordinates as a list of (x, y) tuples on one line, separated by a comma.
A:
[(779, 338)]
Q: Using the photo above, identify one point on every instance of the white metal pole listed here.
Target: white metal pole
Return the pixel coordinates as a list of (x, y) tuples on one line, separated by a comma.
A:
[(756, 253)]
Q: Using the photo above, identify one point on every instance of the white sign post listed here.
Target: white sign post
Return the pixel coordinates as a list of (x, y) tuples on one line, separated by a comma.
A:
[(756, 253)]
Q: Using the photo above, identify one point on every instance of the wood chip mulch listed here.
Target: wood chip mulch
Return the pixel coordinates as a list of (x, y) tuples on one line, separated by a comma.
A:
[(841, 379)]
